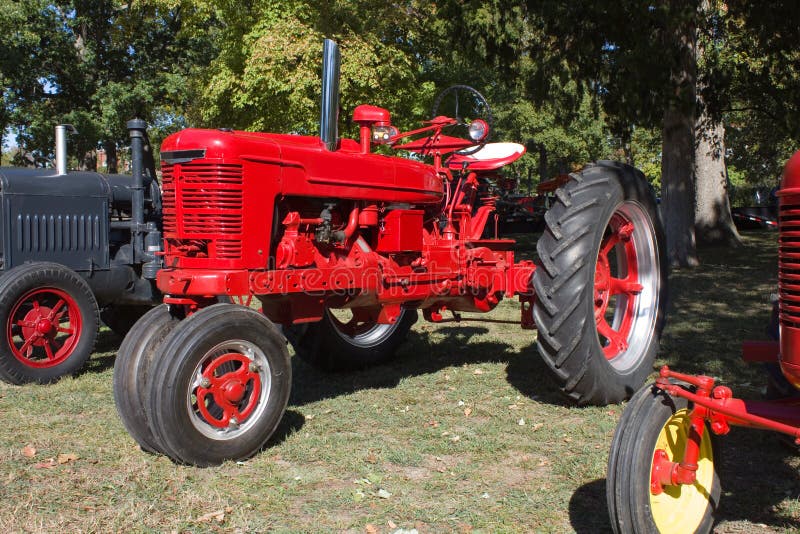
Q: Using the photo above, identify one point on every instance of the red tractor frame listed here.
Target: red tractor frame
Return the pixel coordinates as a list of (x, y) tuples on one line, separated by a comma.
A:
[(309, 225), (661, 469)]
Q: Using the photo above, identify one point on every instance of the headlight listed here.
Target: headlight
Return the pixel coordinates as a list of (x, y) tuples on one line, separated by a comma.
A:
[(478, 130), (383, 134)]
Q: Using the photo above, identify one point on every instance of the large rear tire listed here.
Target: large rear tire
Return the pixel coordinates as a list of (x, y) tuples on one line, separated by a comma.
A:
[(132, 371), (653, 422), (120, 319), (219, 385), (601, 284), (50, 321), (345, 343)]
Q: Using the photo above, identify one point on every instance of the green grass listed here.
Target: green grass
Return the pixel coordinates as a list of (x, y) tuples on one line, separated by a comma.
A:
[(433, 441)]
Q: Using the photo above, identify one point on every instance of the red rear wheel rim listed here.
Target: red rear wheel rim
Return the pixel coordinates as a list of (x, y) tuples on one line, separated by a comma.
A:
[(44, 327), (617, 286)]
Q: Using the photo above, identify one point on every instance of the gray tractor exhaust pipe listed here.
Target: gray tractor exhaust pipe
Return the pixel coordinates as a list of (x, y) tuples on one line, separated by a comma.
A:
[(62, 131), (329, 117)]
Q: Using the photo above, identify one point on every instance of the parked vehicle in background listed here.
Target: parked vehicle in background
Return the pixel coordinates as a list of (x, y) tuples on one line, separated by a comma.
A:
[(75, 247)]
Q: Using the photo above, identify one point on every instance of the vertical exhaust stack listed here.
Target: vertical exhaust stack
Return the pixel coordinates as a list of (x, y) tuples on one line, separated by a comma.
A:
[(329, 117), (62, 132), (137, 129)]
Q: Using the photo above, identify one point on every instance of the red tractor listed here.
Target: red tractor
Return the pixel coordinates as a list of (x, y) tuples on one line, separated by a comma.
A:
[(343, 246), (661, 469)]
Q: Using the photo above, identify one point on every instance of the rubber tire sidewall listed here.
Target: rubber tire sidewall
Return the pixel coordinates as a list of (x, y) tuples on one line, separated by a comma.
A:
[(631, 459), (582, 370), (132, 372), (120, 319), (176, 360), (14, 284), (321, 345)]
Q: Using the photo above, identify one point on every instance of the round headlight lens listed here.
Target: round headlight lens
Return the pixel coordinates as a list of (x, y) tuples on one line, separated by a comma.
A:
[(478, 130)]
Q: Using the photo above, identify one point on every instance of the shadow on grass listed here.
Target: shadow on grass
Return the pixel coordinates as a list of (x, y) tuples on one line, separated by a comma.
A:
[(758, 471), (585, 508), (421, 356), (756, 474), (105, 352), (291, 422)]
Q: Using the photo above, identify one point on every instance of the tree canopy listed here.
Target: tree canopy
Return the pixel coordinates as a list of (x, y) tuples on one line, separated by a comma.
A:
[(679, 88)]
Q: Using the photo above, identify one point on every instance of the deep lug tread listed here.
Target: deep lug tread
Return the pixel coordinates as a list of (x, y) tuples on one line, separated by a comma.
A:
[(552, 223), (564, 197), (564, 309)]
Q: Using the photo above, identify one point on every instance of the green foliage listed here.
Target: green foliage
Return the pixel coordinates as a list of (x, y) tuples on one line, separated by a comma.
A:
[(95, 64)]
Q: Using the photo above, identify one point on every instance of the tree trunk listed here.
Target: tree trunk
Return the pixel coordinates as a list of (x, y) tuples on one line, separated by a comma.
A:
[(110, 148), (713, 224), (677, 159), (677, 187)]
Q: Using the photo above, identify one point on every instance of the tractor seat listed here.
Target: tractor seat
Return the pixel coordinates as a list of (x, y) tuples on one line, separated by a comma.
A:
[(491, 157)]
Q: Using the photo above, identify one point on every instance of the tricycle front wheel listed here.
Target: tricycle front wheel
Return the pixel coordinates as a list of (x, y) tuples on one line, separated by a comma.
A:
[(219, 385)]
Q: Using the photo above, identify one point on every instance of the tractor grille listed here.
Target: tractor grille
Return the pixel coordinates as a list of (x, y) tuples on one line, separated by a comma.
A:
[(203, 204), (789, 261)]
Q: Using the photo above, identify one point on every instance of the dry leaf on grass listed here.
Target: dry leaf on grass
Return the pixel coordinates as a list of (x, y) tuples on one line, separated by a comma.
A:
[(477, 372), (537, 426), (391, 524), (67, 458), (218, 516), (383, 494), (28, 451), (467, 411), (371, 529), (50, 463)]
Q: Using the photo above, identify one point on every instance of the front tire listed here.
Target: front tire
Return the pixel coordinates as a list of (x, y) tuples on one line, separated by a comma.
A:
[(345, 343), (132, 372), (601, 284), (50, 320), (654, 421), (219, 385)]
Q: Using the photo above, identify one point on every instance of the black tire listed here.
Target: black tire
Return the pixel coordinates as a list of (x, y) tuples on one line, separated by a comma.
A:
[(120, 319), (582, 272), (132, 371), (211, 344), (326, 345), (50, 322), (654, 421)]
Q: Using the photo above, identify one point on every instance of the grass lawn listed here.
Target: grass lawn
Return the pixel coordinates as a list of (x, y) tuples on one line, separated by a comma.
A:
[(463, 433)]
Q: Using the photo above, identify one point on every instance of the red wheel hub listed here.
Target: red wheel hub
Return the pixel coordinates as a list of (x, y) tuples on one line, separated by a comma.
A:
[(616, 282), (229, 390), (44, 327)]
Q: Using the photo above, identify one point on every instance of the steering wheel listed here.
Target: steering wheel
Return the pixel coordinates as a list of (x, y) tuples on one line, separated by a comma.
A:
[(465, 105)]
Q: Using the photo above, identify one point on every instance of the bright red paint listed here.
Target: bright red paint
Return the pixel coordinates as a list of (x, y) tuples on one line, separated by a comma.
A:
[(44, 327)]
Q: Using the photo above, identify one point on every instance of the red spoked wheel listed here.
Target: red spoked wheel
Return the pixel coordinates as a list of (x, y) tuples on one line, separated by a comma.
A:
[(626, 285), (601, 284), (44, 327), (218, 385), (50, 318)]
